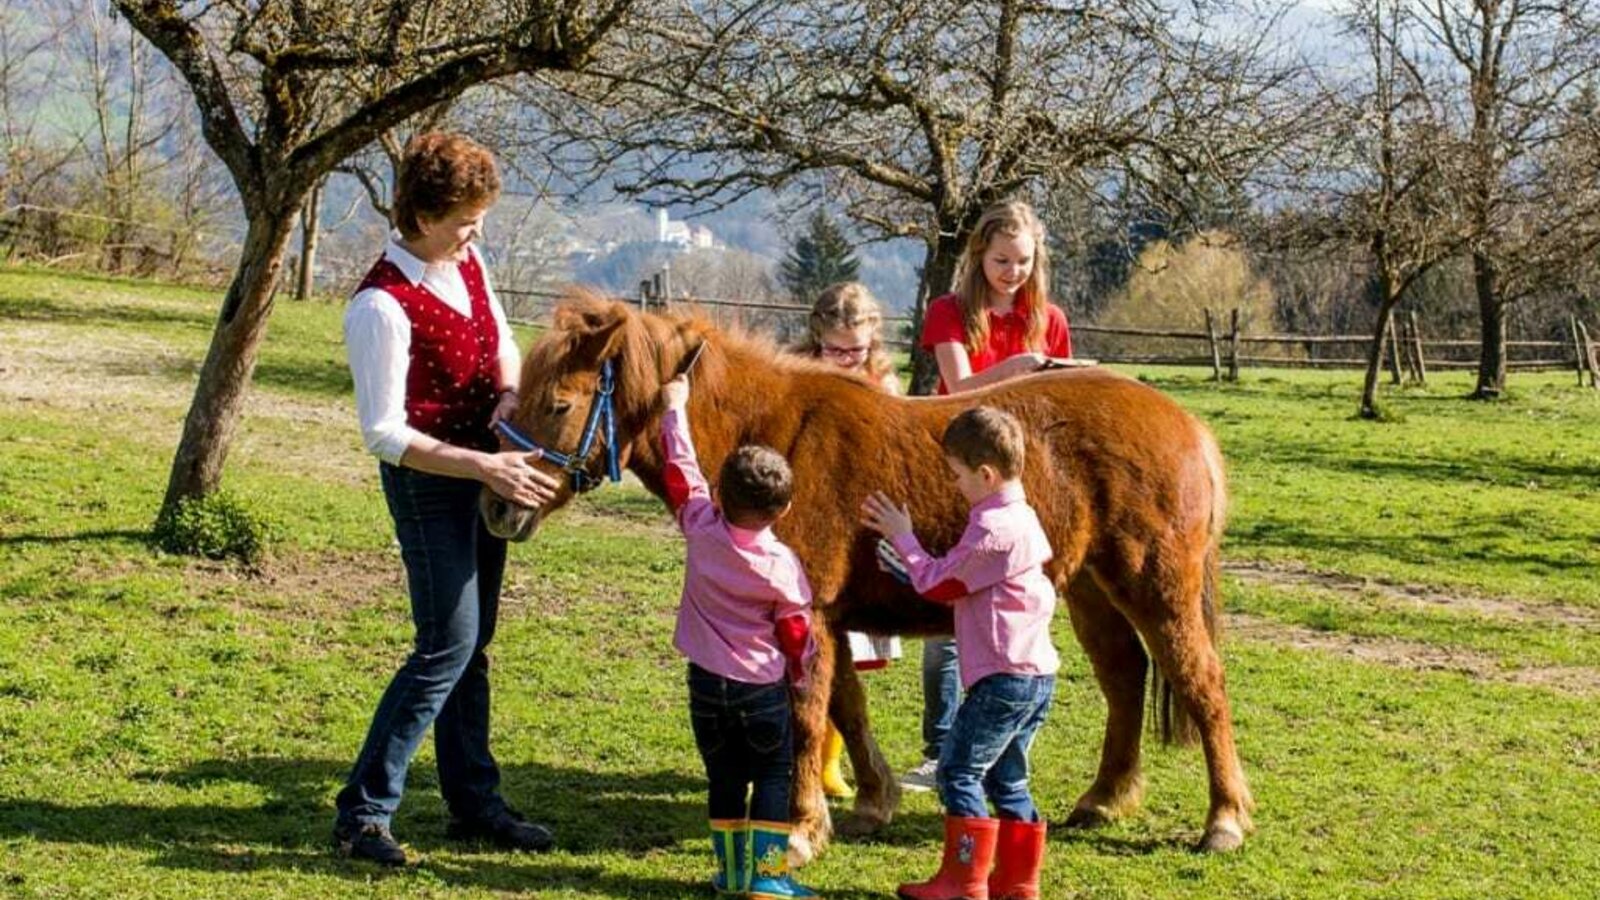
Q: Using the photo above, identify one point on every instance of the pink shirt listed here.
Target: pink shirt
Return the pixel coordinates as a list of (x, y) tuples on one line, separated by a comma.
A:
[(737, 584), (995, 577)]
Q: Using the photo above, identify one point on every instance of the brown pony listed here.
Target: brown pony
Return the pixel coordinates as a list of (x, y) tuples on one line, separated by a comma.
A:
[(1129, 488)]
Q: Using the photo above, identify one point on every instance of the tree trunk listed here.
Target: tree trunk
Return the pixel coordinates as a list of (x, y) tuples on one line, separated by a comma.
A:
[(1380, 336), (938, 277), (310, 221), (1492, 318), (235, 343)]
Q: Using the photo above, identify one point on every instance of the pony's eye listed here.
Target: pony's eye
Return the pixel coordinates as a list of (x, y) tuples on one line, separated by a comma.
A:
[(559, 407)]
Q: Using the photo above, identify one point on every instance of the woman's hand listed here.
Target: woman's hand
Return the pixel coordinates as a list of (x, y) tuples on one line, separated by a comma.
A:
[(880, 514), (511, 475), (504, 408)]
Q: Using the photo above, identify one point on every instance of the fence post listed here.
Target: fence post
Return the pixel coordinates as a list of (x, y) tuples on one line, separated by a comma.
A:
[(1394, 352), (1233, 346), (1589, 355), (644, 295), (1416, 348), (658, 291), (1407, 364), (1216, 352), (1578, 361)]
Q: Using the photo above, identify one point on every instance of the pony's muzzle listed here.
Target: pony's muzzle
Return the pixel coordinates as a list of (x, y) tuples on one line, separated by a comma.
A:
[(506, 520)]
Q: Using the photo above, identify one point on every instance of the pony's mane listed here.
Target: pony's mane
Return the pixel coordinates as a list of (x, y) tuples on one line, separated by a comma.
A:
[(642, 337)]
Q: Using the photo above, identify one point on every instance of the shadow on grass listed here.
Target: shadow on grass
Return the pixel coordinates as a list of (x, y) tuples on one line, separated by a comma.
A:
[(113, 535), (591, 812), (1418, 548), (305, 376), (1481, 468), (88, 311)]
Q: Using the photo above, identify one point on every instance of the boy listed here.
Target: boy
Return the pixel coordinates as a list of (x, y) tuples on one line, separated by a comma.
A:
[(1003, 604), (743, 620)]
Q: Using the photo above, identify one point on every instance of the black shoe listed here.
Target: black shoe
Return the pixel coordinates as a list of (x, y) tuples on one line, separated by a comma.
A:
[(506, 829), (371, 842)]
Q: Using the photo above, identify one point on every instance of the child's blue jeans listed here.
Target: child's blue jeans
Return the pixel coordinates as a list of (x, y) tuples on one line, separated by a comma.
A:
[(986, 752), (746, 740)]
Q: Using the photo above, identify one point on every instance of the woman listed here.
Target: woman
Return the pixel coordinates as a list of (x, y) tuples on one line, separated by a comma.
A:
[(434, 367)]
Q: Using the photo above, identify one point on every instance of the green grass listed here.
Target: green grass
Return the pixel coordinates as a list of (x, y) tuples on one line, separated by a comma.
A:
[(170, 728)]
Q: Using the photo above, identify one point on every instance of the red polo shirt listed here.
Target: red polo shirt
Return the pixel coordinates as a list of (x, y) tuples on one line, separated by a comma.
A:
[(943, 325)]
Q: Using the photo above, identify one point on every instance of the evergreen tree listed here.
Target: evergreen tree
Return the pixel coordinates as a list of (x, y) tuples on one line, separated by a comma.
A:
[(820, 257)]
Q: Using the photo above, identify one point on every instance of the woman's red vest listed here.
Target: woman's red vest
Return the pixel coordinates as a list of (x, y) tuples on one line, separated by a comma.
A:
[(454, 378)]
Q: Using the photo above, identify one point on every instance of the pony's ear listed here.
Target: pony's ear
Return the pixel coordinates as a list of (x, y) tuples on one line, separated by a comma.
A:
[(594, 323), (693, 341)]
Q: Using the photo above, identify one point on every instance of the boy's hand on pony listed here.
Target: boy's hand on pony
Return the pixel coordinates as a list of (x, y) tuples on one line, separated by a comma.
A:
[(676, 393), (880, 514)]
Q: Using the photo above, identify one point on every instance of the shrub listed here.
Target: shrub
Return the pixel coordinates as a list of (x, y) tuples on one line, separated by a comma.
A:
[(221, 525)]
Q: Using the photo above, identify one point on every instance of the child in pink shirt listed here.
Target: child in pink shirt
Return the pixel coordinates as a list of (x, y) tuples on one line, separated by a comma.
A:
[(744, 621), (1003, 604)]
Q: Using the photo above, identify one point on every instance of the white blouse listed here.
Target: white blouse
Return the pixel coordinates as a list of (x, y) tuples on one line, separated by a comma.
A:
[(377, 337)]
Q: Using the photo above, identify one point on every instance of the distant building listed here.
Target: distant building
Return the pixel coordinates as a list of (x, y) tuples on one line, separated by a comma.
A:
[(683, 235)]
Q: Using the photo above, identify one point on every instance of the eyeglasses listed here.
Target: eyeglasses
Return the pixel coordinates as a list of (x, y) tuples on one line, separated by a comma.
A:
[(833, 352)]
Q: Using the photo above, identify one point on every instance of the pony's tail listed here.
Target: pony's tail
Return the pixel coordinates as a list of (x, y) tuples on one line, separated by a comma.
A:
[(1176, 725)]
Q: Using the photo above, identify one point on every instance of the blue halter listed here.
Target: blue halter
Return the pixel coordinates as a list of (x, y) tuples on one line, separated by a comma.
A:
[(601, 414)]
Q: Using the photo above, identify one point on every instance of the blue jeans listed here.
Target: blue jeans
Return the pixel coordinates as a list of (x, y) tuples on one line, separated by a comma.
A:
[(987, 752), (453, 570), (941, 693), (746, 740)]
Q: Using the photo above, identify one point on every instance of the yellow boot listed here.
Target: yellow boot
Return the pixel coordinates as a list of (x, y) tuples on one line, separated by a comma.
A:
[(833, 783)]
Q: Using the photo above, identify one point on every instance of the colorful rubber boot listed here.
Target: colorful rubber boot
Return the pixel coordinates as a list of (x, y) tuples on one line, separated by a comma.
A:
[(968, 856), (730, 841), (1018, 857), (769, 858), (833, 783)]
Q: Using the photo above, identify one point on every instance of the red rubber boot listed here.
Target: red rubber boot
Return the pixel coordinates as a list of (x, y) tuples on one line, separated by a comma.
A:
[(968, 856), (1019, 855)]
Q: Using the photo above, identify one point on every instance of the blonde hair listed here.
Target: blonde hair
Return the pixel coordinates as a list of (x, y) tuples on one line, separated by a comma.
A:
[(848, 305), (1012, 218)]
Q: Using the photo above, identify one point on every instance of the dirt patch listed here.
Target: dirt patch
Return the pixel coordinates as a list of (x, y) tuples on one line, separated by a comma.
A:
[(1413, 655), (77, 371), (1418, 595)]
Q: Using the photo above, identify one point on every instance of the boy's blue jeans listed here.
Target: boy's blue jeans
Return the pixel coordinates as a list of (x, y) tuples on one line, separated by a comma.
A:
[(453, 570), (986, 752), (746, 739)]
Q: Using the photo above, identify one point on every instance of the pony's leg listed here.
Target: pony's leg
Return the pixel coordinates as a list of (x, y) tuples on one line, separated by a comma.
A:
[(809, 806), (1173, 623), (877, 790), (1120, 665)]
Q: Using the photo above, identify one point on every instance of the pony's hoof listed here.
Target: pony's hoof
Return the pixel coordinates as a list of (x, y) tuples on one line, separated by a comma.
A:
[(1221, 838), (1088, 817), (858, 824), (801, 850)]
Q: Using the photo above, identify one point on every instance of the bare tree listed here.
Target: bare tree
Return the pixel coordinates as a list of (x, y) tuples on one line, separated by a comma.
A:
[(1514, 65), (915, 116), (27, 68), (1398, 150), (287, 90)]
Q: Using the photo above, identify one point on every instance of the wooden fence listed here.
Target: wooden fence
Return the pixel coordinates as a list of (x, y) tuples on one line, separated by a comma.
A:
[(1407, 354)]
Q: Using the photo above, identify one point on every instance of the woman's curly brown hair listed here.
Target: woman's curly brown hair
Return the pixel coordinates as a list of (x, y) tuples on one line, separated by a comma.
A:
[(440, 171)]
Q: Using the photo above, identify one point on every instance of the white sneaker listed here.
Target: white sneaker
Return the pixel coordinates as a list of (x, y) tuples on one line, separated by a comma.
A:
[(923, 778)]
